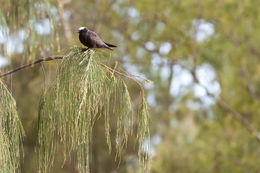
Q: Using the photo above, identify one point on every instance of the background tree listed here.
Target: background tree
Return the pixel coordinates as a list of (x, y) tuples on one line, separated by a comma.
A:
[(202, 57)]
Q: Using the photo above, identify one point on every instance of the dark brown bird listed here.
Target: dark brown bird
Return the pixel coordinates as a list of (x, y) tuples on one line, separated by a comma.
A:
[(92, 40)]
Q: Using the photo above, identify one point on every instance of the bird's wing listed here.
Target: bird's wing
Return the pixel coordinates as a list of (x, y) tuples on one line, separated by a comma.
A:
[(95, 38), (110, 45)]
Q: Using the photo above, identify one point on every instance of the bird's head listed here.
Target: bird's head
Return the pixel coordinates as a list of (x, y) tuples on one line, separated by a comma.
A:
[(82, 29)]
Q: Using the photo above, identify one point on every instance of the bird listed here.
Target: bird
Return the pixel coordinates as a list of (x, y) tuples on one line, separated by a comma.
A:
[(92, 40)]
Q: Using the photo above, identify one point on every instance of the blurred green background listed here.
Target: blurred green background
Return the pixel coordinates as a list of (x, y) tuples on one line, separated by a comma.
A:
[(202, 56)]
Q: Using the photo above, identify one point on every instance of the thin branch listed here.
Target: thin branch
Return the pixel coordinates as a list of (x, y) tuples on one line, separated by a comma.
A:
[(250, 86), (112, 71), (50, 58), (240, 118), (234, 113), (124, 74)]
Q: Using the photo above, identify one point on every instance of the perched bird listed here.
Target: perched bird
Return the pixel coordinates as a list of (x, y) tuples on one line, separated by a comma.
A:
[(92, 40)]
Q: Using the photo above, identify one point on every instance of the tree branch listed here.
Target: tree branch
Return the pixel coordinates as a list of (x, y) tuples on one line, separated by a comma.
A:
[(240, 118), (123, 74), (249, 85), (50, 58), (236, 115)]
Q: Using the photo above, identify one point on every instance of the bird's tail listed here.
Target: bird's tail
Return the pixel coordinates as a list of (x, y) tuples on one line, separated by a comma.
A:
[(110, 45)]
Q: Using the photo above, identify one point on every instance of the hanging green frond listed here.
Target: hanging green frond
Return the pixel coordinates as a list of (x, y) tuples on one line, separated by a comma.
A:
[(6, 164), (143, 134), (83, 91), (24, 20), (11, 133)]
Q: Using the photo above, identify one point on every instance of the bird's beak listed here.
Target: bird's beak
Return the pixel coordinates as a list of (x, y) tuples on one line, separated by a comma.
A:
[(76, 32)]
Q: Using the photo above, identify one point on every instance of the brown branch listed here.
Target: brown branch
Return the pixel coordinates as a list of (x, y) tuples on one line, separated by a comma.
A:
[(50, 58), (249, 85), (240, 118), (236, 115)]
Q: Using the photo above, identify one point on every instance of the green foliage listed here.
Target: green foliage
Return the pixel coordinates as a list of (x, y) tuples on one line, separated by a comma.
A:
[(24, 16), (83, 91), (6, 164), (214, 141), (11, 133)]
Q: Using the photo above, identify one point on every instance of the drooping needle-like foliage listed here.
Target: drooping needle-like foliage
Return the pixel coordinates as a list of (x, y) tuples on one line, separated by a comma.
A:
[(11, 133), (83, 91)]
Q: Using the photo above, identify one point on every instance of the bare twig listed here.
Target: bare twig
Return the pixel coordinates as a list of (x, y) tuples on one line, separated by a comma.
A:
[(240, 118), (236, 115), (124, 74), (50, 58)]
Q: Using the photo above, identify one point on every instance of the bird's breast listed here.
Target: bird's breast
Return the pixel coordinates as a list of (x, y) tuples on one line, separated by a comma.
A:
[(84, 39)]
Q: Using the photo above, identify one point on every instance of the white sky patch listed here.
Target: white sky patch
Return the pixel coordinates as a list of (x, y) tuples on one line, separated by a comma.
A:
[(157, 60), (3, 61), (43, 27), (3, 34), (156, 139), (193, 105), (200, 92), (148, 85), (130, 68), (150, 45), (148, 149), (151, 99), (182, 79), (14, 45), (14, 42), (203, 29), (53, 10), (207, 77), (133, 12), (165, 48), (165, 72), (54, 13), (134, 15), (151, 150)]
